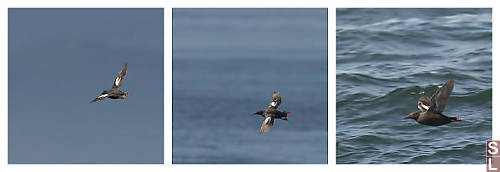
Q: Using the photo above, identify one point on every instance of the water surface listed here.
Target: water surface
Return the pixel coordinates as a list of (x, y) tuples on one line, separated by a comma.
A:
[(226, 65), (387, 59)]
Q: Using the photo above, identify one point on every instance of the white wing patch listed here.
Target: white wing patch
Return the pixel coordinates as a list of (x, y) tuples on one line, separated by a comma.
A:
[(104, 95), (273, 104), (267, 120), (423, 106), (117, 80)]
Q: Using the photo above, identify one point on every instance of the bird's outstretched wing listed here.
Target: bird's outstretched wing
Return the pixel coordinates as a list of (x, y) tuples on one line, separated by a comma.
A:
[(260, 112), (102, 96), (440, 97), (277, 113), (276, 100), (120, 77), (266, 125)]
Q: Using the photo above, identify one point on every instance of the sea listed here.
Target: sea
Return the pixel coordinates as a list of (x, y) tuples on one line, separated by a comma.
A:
[(226, 65), (386, 59)]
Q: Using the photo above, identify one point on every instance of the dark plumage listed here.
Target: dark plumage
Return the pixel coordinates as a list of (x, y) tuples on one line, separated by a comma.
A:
[(115, 92), (275, 112), (272, 112), (431, 110)]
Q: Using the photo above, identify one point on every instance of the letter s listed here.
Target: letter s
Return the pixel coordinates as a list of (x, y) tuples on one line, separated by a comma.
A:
[(493, 146)]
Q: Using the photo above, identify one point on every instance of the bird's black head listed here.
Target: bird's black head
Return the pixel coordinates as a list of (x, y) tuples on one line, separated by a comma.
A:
[(413, 115)]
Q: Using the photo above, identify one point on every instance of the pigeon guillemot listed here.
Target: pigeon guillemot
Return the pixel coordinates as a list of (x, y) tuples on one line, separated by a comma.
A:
[(115, 92), (432, 109), (271, 113), (279, 114)]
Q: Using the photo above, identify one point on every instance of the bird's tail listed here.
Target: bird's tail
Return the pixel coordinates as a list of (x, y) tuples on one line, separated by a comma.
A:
[(455, 119)]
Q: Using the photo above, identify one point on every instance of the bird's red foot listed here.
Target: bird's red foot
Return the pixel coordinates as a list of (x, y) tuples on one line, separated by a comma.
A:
[(288, 112)]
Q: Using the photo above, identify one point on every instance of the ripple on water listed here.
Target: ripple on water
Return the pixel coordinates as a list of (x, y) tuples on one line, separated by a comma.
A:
[(387, 59)]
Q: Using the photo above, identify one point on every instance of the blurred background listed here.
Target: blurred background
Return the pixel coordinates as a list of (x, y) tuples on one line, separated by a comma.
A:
[(59, 60), (226, 65)]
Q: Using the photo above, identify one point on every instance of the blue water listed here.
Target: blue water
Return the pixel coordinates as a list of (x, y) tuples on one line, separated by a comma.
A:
[(232, 72), (387, 59)]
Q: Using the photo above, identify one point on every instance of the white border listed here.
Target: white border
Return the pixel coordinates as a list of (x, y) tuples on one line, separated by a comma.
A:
[(167, 72), (167, 5)]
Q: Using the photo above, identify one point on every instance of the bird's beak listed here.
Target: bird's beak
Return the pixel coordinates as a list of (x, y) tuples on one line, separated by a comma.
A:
[(128, 94)]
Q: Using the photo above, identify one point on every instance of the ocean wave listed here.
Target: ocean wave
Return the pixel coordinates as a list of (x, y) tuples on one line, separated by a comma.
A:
[(367, 79), (400, 93), (447, 155), (459, 21)]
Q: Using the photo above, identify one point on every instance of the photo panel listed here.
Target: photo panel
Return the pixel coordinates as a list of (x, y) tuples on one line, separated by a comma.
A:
[(397, 69), (85, 85), (250, 86)]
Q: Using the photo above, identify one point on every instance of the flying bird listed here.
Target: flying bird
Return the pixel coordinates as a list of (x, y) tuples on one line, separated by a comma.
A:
[(115, 92), (271, 113), (431, 110)]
